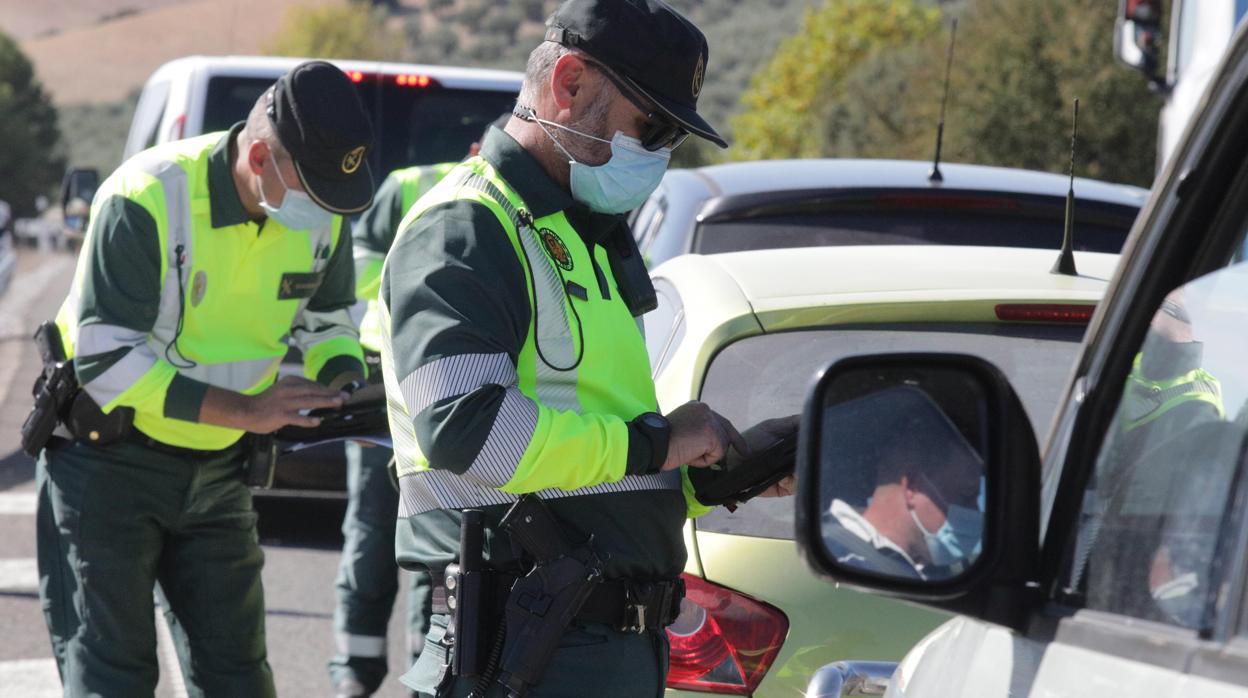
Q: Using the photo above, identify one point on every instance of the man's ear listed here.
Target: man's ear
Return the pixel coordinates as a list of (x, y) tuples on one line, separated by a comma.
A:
[(257, 156), (567, 79)]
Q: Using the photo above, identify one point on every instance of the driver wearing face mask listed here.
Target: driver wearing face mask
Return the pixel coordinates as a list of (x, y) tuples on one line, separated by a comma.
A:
[(924, 519)]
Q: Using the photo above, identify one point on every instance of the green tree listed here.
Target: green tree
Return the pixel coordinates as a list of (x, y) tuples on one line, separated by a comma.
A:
[(353, 30), (792, 97), (30, 159), (1018, 66)]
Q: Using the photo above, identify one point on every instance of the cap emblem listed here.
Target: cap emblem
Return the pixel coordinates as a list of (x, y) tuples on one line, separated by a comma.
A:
[(699, 74), (351, 161), (556, 249)]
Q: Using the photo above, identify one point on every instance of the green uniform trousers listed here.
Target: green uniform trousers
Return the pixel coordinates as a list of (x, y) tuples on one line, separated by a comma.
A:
[(112, 523), (367, 581), (592, 660)]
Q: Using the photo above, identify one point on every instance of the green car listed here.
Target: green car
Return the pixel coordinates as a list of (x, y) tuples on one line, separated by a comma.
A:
[(745, 332)]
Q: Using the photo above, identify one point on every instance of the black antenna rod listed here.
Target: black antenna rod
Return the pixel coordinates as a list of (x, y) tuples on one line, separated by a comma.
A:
[(935, 176), (1066, 259)]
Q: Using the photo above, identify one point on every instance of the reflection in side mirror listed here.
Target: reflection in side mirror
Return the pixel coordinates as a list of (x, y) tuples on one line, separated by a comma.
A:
[(848, 679), (901, 488)]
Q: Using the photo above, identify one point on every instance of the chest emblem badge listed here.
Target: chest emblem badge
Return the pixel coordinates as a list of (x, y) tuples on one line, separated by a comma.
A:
[(199, 286), (556, 249)]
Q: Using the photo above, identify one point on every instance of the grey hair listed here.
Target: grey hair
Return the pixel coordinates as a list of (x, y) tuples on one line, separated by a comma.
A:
[(258, 126), (538, 70)]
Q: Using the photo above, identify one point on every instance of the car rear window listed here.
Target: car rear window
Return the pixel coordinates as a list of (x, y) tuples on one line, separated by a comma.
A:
[(767, 376), (915, 218), (417, 125)]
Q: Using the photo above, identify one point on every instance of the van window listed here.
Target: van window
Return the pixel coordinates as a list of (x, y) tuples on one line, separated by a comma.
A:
[(1151, 542), (148, 114), (412, 125)]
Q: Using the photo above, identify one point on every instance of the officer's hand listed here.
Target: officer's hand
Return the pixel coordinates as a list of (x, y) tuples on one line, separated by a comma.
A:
[(282, 403), (784, 488), (699, 437)]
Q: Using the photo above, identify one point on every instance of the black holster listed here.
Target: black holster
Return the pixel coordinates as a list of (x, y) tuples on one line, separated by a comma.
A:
[(261, 463), (543, 602)]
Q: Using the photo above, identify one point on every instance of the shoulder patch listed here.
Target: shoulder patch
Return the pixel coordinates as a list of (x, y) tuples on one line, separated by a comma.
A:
[(556, 249)]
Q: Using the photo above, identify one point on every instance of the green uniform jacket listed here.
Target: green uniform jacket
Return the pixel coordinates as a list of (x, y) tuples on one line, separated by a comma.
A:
[(176, 290), (490, 399)]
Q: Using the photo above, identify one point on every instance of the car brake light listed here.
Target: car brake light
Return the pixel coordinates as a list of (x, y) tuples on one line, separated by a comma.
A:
[(722, 641), (356, 76), (947, 201), (413, 80), (1045, 312)]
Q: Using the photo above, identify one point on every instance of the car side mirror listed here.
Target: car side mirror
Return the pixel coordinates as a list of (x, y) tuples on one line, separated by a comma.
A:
[(1136, 38), (918, 477), (77, 189)]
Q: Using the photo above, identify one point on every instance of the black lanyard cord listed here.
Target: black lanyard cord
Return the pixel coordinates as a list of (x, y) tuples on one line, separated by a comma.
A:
[(181, 361)]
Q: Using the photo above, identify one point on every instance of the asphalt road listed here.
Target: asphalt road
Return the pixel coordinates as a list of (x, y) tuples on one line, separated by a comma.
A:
[(300, 536)]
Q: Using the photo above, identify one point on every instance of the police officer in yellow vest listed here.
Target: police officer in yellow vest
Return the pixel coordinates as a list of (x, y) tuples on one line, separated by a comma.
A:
[(204, 256), (514, 364), (367, 583)]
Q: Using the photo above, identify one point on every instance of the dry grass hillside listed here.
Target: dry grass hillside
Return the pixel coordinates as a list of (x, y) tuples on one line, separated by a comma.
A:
[(87, 59)]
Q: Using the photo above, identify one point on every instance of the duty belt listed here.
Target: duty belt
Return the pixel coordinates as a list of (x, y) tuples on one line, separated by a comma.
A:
[(629, 606)]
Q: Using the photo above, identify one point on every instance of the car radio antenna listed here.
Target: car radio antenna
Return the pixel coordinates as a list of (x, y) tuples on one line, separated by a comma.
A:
[(935, 177), (1065, 263)]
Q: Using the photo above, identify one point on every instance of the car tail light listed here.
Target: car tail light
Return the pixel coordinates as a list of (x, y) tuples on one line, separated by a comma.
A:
[(356, 76), (177, 127), (722, 642), (1045, 312)]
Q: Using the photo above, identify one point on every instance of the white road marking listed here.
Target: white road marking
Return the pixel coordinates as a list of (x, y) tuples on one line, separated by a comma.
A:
[(30, 678), (14, 306), (17, 503), (169, 665), (19, 576)]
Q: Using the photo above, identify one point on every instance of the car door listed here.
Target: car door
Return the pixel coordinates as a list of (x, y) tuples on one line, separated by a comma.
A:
[(1145, 502)]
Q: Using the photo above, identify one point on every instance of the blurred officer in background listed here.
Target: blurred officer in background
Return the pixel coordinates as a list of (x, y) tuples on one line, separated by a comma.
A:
[(367, 581)]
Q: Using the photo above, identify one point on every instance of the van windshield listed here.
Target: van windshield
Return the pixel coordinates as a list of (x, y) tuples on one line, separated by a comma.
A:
[(414, 125)]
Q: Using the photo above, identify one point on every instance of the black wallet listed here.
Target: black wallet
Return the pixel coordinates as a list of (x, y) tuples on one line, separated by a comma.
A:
[(363, 414), (737, 479)]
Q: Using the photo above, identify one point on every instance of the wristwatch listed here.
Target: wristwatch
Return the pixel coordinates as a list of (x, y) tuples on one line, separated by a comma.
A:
[(657, 431)]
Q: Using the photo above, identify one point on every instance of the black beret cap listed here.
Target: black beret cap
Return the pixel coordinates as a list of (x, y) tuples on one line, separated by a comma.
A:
[(650, 45), (317, 115)]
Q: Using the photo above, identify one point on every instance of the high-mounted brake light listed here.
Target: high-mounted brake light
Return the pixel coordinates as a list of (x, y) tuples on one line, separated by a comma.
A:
[(413, 80), (1045, 312), (722, 641), (356, 76)]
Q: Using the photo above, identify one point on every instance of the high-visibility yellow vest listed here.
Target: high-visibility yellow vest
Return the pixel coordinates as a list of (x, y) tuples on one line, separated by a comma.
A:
[(233, 296), (553, 370)]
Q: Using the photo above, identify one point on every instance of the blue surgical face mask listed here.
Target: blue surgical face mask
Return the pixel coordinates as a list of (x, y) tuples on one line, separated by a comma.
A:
[(298, 211), (959, 538), (622, 183)]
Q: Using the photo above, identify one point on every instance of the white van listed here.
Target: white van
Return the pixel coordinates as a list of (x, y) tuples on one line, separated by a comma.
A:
[(1110, 556), (421, 114)]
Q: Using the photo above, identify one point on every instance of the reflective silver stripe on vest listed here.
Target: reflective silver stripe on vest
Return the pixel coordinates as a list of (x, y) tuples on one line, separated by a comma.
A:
[(452, 376), (557, 353), (440, 489), (145, 348)]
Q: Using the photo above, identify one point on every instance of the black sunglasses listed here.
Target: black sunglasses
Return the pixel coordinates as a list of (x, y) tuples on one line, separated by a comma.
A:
[(660, 131)]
